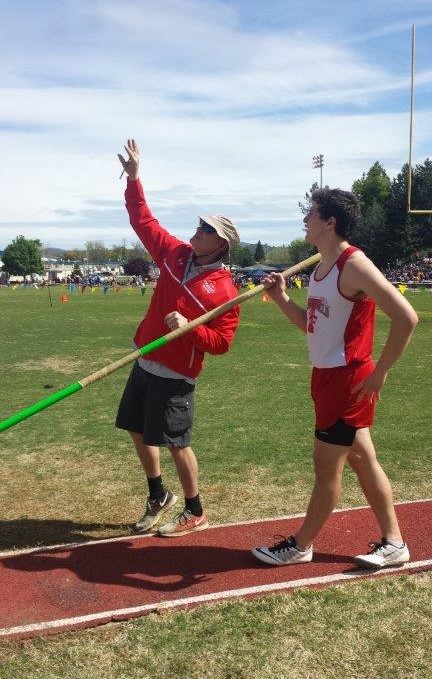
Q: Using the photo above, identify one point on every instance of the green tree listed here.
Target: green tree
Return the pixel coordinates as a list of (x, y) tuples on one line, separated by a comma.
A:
[(136, 266), (22, 257), (374, 186), (306, 206), (72, 255), (373, 191), (386, 232), (138, 250), (298, 250), (421, 199), (241, 255), (97, 252), (259, 254), (279, 256), (371, 231), (116, 253), (398, 239)]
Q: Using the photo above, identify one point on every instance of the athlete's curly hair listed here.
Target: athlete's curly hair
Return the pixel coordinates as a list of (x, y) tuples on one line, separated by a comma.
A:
[(344, 206)]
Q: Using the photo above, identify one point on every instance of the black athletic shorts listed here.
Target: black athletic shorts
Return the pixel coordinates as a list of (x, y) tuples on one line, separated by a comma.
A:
[(159, 408), (339, 434)]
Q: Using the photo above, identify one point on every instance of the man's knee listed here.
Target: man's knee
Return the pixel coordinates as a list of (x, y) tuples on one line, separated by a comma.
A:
[(180, 451), (359, 459)]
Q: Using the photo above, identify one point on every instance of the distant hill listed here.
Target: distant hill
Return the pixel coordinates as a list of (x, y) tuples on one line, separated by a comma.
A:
[(57, 253), (267, 248)]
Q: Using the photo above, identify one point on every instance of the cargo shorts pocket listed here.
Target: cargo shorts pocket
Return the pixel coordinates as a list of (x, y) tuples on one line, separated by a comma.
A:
[(179, 414)]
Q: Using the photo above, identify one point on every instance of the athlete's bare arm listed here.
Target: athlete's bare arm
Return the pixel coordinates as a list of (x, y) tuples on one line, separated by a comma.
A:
[(275, 286), (361, 277)]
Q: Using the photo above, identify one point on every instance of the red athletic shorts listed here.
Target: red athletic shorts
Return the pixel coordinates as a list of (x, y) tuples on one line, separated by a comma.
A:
[(331, 392)]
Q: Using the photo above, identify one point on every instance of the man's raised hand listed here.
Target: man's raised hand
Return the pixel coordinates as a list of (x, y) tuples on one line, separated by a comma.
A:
[(131, 165)]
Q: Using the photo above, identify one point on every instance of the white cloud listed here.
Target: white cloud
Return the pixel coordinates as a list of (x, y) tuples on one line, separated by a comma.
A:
[(227, 116), (258, 169)]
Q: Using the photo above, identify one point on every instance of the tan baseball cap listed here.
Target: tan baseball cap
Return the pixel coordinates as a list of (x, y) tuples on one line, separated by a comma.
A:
[(224, 227)]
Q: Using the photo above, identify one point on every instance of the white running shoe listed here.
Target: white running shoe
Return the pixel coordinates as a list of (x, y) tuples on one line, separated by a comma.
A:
[(283, 553), (383, 554)]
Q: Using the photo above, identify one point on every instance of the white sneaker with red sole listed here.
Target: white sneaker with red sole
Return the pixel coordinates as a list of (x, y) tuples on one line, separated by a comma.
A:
[(183, 523)]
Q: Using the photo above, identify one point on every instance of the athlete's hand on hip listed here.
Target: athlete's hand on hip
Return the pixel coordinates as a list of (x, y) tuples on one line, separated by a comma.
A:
[(131, 165), (175, 320), (370, 388)]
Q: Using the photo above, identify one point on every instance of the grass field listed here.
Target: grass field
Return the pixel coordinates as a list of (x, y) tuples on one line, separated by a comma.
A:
[(69, 475)]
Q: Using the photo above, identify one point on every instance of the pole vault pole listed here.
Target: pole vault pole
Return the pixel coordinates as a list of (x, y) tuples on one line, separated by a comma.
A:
[(146, 349)]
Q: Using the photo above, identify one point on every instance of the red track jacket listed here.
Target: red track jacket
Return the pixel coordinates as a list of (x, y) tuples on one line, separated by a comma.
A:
[(206, 291)]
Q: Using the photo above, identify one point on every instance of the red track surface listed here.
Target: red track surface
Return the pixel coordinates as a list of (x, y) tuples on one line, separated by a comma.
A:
[(68, 587)]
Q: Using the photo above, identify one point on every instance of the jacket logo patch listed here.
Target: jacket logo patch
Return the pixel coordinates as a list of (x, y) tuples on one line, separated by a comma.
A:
[(316, 305), (209, 287)]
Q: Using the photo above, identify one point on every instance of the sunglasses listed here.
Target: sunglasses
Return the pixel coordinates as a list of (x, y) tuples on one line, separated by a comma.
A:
[(207, 228)]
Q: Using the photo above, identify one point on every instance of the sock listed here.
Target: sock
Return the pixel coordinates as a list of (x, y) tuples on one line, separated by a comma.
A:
[(156, 489), (399, 545), (194, 505)]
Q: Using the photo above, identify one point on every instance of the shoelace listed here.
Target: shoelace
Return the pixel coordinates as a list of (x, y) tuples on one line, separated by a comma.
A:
[(376, 547), (283, 545), (183, 517)]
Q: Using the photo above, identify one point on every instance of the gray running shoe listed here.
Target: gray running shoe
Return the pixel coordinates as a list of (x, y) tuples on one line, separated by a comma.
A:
[(153, 512), (383, 554), (283, 553)]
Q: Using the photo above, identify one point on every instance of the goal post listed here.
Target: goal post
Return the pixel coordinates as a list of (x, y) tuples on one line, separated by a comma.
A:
[(410, 211)]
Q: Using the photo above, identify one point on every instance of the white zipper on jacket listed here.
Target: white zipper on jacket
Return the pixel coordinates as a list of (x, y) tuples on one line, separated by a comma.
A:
[(192, 357), (184, 287)]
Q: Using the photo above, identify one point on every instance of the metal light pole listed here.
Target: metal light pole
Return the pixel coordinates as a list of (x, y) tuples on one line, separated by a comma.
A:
[(318, 162)]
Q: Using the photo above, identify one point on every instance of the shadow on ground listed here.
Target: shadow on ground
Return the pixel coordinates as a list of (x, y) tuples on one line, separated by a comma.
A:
[(158, 566), (25, 532)]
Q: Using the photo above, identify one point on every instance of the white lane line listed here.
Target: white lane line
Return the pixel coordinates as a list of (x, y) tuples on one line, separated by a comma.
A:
[(124, 613), (134, 536)]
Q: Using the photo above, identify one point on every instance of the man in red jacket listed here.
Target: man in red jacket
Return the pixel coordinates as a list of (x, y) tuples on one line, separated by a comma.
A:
[(157, 404)]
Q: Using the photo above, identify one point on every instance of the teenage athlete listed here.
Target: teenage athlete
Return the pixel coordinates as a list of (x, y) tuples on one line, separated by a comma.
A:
[(343, 292)]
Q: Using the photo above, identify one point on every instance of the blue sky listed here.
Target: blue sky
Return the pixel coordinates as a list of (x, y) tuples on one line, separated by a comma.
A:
[(229, 101)]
